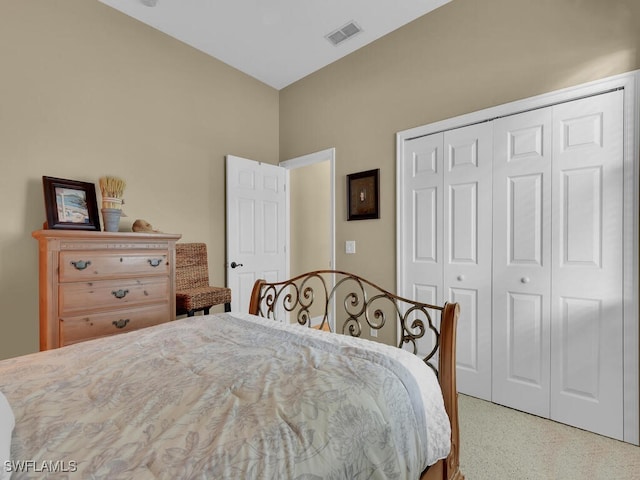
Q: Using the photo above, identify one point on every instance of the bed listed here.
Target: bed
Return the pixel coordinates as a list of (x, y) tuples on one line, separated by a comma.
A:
[(231, 396)]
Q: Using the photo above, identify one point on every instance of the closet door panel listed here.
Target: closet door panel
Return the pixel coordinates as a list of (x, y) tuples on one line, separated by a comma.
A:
[(526, 339), (587, 330), (468, 155), (522, 261), (468, 358), (463, 218), (423, 223)]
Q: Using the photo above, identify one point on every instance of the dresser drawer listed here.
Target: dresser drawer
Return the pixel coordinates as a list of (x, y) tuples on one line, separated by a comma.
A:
[(76, 298), (77, 266), (86, 327)]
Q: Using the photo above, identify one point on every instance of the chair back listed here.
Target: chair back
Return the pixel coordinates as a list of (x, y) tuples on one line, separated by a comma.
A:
[(192, 267)]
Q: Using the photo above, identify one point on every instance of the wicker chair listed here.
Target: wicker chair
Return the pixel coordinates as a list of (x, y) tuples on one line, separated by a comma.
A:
[(193, 292)]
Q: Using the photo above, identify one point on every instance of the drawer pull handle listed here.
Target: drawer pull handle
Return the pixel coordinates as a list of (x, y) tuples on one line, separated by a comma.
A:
[(121, 323), (154, 262), (81, 264), (120, 293)]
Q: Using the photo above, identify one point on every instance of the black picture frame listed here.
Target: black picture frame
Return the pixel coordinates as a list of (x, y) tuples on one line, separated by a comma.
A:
[(363, 195), (70, 204)]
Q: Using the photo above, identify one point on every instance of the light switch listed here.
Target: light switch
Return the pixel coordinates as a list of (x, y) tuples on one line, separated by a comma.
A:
[(350, 246)]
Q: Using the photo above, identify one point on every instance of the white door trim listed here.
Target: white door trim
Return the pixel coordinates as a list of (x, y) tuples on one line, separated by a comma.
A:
[(630, 82)]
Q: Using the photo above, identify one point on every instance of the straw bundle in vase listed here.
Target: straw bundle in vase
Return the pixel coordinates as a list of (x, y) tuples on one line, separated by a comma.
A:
[(112, 189)]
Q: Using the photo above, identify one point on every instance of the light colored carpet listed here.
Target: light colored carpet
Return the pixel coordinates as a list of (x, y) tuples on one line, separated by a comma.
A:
[(501, 443)]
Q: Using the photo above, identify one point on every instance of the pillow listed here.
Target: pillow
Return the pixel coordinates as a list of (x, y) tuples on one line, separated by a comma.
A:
[(7, 422)]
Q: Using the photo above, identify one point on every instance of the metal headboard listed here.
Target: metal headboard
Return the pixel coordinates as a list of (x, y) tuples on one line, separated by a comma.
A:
[(355, 301)]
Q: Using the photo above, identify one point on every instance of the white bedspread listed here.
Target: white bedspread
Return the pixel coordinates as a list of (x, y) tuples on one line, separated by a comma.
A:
[(224, 397)]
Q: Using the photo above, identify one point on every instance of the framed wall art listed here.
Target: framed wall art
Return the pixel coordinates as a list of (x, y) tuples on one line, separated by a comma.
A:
[(363, 195), (70, 204)]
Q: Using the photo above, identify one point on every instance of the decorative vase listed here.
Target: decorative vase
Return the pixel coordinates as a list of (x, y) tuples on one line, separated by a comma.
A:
[(111, 219)]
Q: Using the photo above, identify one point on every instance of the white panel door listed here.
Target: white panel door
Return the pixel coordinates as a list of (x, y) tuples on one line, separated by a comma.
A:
[(421, 191), (256, 227), (468, 154), (522, 261), (587, 340)]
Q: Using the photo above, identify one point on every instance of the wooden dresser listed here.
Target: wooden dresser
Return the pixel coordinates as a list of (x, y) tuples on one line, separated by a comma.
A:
[(94, 284)]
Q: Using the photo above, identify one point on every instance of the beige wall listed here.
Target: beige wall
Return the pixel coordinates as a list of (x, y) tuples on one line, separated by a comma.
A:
[(86, 91), (310, 197), (465, 56)]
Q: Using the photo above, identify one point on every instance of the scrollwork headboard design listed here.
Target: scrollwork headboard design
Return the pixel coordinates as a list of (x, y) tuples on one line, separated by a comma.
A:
[(348, 303)]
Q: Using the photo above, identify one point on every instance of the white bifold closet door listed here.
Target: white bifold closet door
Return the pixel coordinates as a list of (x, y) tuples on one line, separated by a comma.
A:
[(520, 219), (468, 153), (447, 221), (423, 221), (558, 267), (587, 264), (422, 199), (522, 261)]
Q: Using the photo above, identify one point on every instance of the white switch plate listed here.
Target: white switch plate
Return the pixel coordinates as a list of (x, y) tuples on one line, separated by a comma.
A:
[(350, 246)]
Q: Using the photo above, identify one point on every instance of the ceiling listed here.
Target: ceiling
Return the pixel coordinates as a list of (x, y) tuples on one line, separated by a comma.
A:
[(276, 41)]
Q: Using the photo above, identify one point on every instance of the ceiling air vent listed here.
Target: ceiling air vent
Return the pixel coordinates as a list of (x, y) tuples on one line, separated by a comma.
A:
[(344, 32)]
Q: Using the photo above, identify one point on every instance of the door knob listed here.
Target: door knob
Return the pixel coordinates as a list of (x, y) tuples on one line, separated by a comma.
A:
[(524, 280), (234, 265), (460, 278)]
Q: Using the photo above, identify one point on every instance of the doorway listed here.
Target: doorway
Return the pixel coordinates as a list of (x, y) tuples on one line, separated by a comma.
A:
[(311, 207)]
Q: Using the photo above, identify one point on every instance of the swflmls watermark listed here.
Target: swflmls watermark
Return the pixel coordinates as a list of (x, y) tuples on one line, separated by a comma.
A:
[(40, 466)]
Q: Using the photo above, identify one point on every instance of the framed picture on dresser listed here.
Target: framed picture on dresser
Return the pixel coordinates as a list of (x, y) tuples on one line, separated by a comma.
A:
[(70, 204)]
